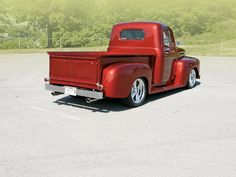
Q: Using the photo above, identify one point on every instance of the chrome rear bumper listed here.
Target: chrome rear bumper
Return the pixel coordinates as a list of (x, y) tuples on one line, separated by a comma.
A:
[(79, 92)]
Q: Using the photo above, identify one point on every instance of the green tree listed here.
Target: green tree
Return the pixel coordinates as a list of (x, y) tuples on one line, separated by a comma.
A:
[(41, 14), (76, 23), (3, 12), (49, 16)]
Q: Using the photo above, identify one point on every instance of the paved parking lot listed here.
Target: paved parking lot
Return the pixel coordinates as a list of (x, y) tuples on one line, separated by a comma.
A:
[(181, 133)]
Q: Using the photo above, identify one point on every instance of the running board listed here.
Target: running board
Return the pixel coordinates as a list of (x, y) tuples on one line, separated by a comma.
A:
[(164, 88)]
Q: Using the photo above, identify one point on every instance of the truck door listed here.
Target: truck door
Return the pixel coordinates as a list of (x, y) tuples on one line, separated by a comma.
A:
[(169, 53)]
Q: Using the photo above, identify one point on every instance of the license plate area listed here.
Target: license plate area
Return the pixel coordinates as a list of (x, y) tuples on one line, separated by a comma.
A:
[(70, 90)]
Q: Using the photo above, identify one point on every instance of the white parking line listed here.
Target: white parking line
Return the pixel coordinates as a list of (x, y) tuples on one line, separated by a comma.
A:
[(53, 113), (39, 109)]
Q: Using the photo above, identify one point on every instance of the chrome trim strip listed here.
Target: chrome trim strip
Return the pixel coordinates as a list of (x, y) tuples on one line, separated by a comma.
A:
[(89, 94), (55, 88)]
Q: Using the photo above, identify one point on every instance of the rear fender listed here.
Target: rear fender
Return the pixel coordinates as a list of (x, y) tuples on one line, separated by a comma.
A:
[(118, 78), (183, 68)]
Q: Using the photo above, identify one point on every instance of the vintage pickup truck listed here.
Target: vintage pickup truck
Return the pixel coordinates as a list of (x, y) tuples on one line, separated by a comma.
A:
[(142, 58)]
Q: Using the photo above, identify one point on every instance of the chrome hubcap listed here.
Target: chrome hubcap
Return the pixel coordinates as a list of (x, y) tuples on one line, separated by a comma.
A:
[(192, 78), (138, 91)]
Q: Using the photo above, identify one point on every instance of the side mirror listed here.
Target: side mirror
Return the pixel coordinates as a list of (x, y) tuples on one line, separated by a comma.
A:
[(166, 49)]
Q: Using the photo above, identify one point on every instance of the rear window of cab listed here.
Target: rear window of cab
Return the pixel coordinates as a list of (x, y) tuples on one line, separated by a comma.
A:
[(132, 34)]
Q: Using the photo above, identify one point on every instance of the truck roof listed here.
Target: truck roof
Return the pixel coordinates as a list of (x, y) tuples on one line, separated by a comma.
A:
[(141, 24)]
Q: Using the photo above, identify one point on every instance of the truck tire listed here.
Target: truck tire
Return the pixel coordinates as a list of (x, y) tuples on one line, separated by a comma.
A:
[(137, 94), (192, 78)]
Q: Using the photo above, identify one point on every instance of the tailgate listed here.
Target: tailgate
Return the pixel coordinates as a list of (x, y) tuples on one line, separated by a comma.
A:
[(77, 69)]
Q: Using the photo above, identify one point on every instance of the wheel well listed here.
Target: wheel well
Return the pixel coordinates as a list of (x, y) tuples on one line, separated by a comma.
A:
[(146, 82)]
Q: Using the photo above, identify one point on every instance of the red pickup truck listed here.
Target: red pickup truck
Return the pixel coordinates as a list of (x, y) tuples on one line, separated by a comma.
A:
[(142, 58)]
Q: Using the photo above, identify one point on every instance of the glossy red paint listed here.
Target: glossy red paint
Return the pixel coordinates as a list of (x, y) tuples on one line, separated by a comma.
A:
[(69, 68), (126, 60), (119, 77), (183, 67)]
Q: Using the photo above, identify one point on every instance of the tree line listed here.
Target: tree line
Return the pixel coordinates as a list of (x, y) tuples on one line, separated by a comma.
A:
[(76, 23)]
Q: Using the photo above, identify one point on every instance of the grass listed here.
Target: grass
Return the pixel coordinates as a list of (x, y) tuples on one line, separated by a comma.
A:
[(17, 51), (224, 48)]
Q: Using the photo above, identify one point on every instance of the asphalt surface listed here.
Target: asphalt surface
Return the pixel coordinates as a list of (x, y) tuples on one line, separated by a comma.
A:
[(181, 133)]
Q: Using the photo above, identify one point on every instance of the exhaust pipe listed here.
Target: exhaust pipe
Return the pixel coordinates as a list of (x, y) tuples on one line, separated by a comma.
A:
[(56, 93), (46, 79), (90, 100)]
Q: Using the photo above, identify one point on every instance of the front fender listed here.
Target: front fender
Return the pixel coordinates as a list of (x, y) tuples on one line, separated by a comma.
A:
[(183, 68), (118, 78)]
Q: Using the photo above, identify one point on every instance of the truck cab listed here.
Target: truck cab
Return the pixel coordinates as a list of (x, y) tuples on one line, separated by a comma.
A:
[(142, 58)]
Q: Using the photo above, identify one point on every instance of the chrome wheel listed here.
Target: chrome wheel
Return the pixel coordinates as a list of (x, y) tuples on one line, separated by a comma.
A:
[(138, 91), (192, 79)]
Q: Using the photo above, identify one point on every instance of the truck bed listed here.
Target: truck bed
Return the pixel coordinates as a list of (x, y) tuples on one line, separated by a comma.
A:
[(78, 69), (83, 69)]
